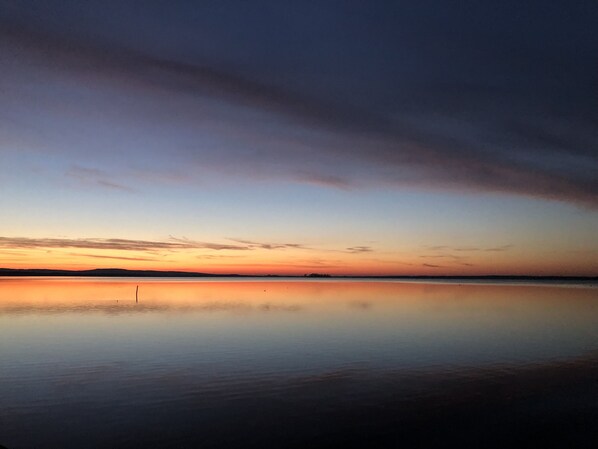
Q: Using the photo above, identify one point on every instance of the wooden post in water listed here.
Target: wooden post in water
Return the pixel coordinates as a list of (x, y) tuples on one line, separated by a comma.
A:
[(136, 294)]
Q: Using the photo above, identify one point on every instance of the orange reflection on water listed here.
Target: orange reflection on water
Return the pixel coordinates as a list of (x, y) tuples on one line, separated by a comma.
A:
[(52, 295)]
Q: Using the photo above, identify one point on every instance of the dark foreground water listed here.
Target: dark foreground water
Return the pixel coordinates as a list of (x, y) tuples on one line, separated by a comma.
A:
[(296, 364)]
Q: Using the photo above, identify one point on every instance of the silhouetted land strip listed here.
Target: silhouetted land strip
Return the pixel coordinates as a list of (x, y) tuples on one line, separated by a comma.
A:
[(106, 272), (120, 272)]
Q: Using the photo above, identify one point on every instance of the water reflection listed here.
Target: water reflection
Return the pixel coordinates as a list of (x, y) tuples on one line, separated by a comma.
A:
[(254, 363)]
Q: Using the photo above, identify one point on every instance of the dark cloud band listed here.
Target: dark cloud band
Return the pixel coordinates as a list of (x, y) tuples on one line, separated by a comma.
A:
[(515, 119)]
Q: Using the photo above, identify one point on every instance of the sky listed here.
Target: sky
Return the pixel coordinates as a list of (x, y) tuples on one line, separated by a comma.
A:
[(275, 137)]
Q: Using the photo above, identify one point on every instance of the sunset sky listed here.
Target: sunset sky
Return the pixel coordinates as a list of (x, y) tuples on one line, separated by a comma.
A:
[(342, 137)]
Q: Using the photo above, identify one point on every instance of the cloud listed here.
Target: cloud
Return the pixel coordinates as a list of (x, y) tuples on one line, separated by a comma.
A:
[(442, 256), (113, 244), (326, 180), (94, 177), (172, 244), (98, 256), (440, 252), (437, 247), (217, 257), (359, 249), (191, 244), (12, 253), (499, 248), (465, 249), (269, 246), (504, 116), (429, 265)]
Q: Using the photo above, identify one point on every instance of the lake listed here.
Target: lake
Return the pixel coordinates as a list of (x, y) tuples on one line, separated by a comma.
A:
[(299, 363)]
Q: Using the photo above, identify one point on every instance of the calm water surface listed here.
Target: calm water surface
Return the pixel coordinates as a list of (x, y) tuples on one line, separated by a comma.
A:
[(296, 363)]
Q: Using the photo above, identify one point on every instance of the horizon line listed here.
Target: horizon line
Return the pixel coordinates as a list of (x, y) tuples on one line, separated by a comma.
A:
[(124, 272)]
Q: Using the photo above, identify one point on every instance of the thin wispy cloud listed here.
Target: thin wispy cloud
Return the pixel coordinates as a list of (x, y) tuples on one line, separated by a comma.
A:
[(191, 244), (113, 244), (157, 247), (99, 256), (429, 265), (217, 257), (442, 256), (359, 249), (94, 177), (464, 254), (499, 248), (250, 244)]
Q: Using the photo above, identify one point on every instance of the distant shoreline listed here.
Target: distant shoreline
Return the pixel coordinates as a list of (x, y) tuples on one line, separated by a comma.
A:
[(120, 272)]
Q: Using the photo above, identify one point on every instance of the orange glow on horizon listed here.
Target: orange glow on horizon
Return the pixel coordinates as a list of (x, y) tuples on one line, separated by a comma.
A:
[(300, 261)]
